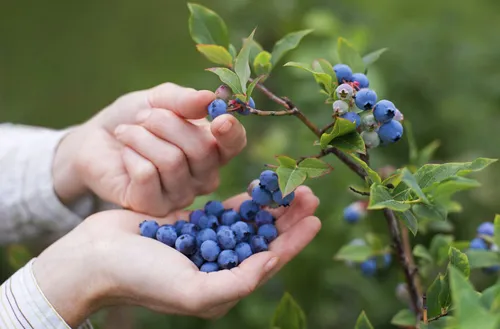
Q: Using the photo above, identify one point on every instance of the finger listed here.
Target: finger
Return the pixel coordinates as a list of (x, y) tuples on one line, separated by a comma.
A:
[(304, 204), (169, 160), (197, 143), (230, 135), (185, 102), (144, 190)]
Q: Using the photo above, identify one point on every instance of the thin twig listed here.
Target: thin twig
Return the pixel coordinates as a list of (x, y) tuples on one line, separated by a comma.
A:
[(326, 128), (359, 192), (365, 157), (438, 317)]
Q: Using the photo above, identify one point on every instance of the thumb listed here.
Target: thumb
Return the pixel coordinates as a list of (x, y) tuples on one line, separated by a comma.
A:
[(230, 135)]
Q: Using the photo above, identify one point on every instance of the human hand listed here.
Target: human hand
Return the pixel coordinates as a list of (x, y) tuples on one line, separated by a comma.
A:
[(151, 151), (105, 261)]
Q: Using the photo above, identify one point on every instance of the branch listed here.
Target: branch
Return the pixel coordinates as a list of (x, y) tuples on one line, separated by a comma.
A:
[(438, 317), (327, 127), (359, 192)]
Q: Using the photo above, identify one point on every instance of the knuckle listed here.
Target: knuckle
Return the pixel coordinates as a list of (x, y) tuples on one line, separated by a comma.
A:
[(145, 173), (211, 184)]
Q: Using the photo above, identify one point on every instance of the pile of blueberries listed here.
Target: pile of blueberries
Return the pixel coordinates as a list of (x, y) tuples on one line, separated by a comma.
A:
[(485, 230), (370, 266), (220, 104), (378, 121), (216, 238)]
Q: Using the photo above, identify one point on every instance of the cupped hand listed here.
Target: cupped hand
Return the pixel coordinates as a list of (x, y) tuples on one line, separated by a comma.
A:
[(150, 151), (105, 261)]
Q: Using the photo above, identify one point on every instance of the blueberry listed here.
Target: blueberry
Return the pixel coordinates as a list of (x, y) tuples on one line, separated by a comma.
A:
[(486, 228), (149, 228), (210, 250), (369, 267), (223, 92), (384, 111), (340, 107), (214, 208), (264, 217), (478, 244), (268, 231), (195, 216), (167, 235), (209, 267), (191, 229), (248, 209), (354, 212), (492, 269), (258, 244), (261, 196), (361, 79), (178, 226), (269, 180), (371, 139), (229, 217), (244, 110), (209, 221), (387, 260), (241, 231), (251, 103), (344, 91), (197, 259), (222, 227), (186, 244), (243, 250), (227, 259), (353, 117), (366, 99), (368, 122), (278, 198), (216, 108), (226, 238), (398, 116), (205, 235), (402, 292), (251, 229), (343, 72), (390, 132)]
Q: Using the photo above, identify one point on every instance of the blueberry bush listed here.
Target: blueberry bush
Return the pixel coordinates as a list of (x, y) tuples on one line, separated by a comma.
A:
[(416, 198)]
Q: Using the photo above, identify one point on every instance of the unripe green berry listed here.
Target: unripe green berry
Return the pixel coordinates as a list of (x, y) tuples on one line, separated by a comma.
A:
[(371, 139), (340, 107), (368, 122), (223, 92), (344, 91)]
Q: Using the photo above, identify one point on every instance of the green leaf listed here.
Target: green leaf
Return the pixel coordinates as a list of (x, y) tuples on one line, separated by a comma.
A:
[(289, 175), (439, 248), (430, 212), (340, 128), (422, 252), (233, 51), (372, 57), (18, 256), (206, 27), (262, 63), (460, 261), (380, 198), (287, 43), (425, 155), (445, 294), (314, 167), (374, 241), (409, 220), (496, 231), (404, 318), (349, 56), (255, 49), (324, 80), (372, 174), (445, 189), (410, 180), (433, 304), (489, 297), (216, 54), (354, 253), (412, 144), (289, 314), (228, 77), (252, 85), (483, 258), (322, 65), (363, 322), (286, 162), (350, 143), (241, 65)]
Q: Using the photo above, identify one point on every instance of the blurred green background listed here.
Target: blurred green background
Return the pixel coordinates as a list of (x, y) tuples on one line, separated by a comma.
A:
[(62, 61)]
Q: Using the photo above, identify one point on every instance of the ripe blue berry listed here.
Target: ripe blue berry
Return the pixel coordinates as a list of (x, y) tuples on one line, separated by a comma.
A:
[(227, 259), (492, 269), (229, 217), (186, 244), (243, 250), (278, 198), (241, 231), (384, 111), (258, 244), (390, 132), (214, 208), (191, 229), (387, 260), (197, 259), (244, 110), (268, 231), (343, 72), (251, 229), (223, 92), (209, 267), (344, 91), (264, 217), (340, 107), (478, 244), (205, 235), (195, 216), (353, 117), (369, 267), (216, 108), (361, 79), (222, 227), (269, 180), (226, 238), (178, 226), (371, 139), (167, 235), (486, 228), (210, 250), (248, 209), (354, 212), (261, 196), (209, 222), (366, 99), (251, 103), (149, 228)]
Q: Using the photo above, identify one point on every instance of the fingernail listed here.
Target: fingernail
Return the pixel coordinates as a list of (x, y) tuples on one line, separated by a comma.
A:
[(120, 129), (143, 115), (226, 126), (271, 264)]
